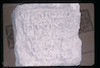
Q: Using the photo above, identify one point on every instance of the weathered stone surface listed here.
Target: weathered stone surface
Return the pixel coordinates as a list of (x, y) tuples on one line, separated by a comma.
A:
[(47, 34)]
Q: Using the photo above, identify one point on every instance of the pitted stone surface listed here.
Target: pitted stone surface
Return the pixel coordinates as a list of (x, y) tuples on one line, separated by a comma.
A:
[(47, 34)]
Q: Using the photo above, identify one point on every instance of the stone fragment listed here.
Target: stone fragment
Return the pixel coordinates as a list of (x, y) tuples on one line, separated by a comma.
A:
[(47, 34)]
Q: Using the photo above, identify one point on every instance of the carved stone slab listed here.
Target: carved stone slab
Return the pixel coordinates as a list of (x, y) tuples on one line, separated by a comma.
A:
[(47, 34)]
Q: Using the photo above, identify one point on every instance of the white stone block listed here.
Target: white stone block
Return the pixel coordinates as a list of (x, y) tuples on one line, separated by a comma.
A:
[(47, 34)]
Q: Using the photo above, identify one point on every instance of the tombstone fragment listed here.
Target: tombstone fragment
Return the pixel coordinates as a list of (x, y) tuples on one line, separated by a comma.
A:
[(47, 34)]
